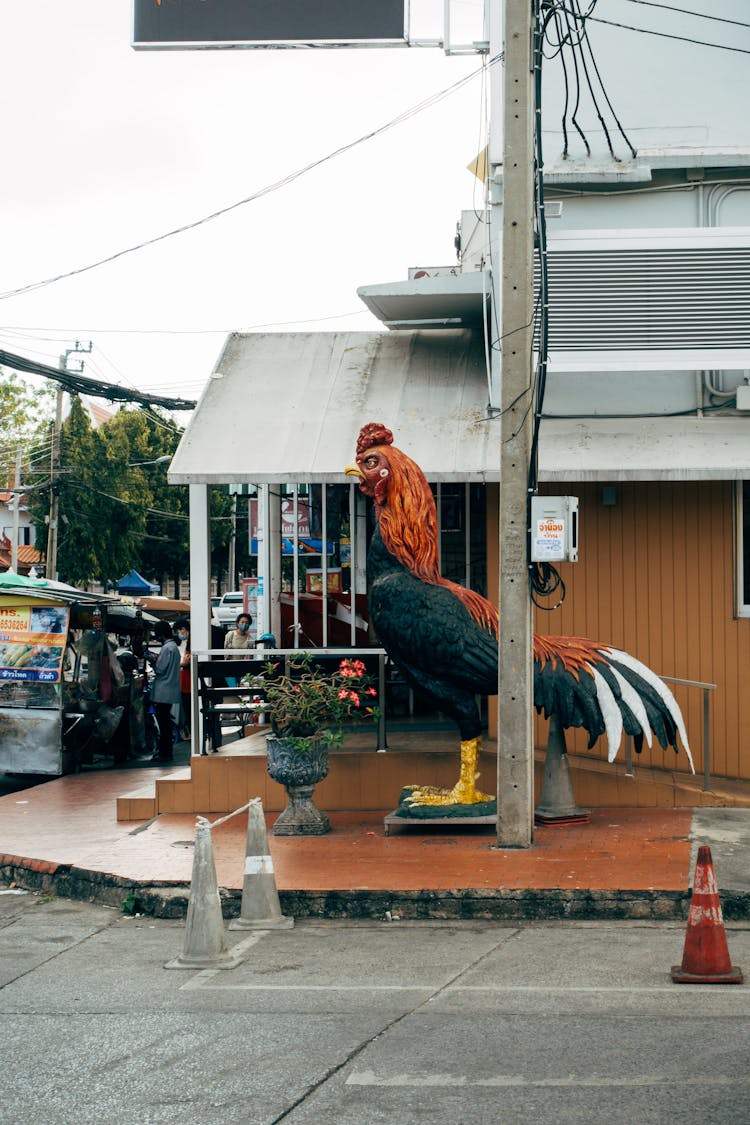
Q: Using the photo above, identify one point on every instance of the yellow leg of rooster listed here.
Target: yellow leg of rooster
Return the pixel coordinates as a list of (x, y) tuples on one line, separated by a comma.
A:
[(464, 792)]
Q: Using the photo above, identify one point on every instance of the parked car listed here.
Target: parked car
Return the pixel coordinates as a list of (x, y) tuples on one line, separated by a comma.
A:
[(230, 604)]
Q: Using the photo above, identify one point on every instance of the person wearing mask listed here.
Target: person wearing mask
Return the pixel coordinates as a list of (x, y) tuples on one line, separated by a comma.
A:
[(182, 629), (239, 638), (165, 689)]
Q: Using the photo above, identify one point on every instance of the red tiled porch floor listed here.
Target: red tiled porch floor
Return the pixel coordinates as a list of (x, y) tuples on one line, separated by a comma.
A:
[(71, 821)]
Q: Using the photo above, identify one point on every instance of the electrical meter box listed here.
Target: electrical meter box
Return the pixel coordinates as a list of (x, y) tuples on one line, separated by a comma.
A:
[(554, 529)]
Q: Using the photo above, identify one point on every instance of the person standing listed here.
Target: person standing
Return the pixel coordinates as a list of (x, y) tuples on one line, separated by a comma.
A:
[(165, 690), (239, 638), (182, 629)]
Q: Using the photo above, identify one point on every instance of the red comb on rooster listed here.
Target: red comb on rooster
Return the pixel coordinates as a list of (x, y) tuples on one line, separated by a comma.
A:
[(443, 637)]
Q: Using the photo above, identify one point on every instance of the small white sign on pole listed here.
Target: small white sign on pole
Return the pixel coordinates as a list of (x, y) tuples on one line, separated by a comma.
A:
[(554, 529)]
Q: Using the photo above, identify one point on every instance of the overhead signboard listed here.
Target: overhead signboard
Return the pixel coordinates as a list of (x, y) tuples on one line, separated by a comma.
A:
[(185, 24)]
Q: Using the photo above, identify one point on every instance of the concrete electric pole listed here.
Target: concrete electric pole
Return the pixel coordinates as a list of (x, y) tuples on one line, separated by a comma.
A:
[(513, 296), (54, 467), (16, 513)]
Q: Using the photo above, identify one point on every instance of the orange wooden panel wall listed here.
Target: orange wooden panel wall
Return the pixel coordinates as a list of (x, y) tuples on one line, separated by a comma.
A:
[(656, 577)]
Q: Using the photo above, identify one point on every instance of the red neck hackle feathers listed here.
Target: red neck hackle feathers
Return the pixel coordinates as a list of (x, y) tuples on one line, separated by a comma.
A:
[(408, 521)]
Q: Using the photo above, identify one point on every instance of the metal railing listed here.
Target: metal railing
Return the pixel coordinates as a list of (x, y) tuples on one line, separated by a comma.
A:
[(288, 654), (706, 689), (262, 655)]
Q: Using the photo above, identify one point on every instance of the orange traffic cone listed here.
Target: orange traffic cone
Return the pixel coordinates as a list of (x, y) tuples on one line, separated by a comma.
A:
[(705, 958)]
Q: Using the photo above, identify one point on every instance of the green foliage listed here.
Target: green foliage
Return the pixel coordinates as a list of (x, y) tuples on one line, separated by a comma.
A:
[(310, 705), (163, 546), (114, 512), (25, 414), (107, 517)]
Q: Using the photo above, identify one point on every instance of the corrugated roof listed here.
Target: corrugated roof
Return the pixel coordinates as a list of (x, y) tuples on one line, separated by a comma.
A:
[(288, 407)]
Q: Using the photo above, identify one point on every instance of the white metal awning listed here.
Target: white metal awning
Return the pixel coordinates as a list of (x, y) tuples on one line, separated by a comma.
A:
[(288, 408), (445, 301), (709, 448)]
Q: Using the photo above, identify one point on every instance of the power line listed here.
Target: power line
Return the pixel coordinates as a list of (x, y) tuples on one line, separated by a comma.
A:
[(689, 12), (80, 384), (406, 115), (667, 35), (32, 331)]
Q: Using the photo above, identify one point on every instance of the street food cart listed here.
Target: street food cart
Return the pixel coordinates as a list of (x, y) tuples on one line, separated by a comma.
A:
[(61, 683)]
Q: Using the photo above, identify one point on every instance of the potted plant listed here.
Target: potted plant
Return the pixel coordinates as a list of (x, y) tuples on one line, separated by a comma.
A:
[(308, 708)]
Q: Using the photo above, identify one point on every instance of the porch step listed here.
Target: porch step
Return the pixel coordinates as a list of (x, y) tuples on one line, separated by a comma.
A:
[(358, 779), (141, 803), (362, 780)]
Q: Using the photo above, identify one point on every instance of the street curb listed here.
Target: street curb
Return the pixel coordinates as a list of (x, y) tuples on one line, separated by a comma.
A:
[(164, 899), (170, 900)]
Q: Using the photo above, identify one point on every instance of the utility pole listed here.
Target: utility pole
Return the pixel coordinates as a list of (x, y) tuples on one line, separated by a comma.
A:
[(54, 472), (515, 299), (54, 466), (16, 513)]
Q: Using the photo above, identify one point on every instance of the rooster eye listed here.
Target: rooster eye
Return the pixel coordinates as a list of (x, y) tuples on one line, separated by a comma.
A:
[(371, 462)]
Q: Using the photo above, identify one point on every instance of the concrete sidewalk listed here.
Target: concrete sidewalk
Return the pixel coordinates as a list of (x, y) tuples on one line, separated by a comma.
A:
[(63, 837)]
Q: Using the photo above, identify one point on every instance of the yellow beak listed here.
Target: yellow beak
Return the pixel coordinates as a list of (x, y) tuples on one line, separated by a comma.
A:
[(354, 471)]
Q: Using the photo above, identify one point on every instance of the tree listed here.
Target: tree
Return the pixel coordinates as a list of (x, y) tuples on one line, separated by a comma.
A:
[(164, 546), (25, 416), (104, 500), (116, 507)]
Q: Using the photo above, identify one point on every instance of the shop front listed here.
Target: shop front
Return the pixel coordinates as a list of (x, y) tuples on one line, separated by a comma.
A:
[(64, 692)]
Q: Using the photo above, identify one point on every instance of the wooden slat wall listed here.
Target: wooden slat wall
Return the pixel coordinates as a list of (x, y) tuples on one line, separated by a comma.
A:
[(656, 577)]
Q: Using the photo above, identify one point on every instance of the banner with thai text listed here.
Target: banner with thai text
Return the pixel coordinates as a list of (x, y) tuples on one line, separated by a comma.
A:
[(32, 642)]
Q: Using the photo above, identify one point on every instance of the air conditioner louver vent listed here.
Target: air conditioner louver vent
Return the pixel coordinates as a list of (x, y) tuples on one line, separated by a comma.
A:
[(649, 299)]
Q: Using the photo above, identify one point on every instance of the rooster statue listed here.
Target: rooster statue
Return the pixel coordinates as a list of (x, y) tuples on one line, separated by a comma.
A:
[(443, 637)]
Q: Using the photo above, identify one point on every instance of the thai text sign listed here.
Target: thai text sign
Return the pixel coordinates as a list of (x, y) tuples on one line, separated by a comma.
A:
[(32, 642), (549, 539), (217, 23)]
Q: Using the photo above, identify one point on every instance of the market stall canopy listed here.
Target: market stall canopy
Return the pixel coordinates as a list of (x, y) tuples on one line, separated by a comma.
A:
[(165, 608), (14, 584), (134, 584), (123, 618)]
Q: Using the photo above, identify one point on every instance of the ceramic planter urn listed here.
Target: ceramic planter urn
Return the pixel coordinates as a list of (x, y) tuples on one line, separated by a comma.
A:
[(299, 771)]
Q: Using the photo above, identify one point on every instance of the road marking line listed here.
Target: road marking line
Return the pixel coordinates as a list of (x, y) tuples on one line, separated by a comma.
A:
[(202, 978), (209, 974), (369, 1078)]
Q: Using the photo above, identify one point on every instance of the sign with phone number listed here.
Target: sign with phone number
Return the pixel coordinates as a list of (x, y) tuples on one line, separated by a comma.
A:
[(32, 642)]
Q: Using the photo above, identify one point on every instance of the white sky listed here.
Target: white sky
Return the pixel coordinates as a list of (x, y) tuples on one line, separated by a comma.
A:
[(106, 147)]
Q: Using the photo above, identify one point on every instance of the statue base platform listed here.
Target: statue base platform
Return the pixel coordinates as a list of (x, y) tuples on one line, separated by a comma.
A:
[(453, 816)]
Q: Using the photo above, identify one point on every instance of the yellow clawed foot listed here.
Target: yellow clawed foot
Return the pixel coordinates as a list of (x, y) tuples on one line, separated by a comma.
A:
[(458, 795), (464, 792)]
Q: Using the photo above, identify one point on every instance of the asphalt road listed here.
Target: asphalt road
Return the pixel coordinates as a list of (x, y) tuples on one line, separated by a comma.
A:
[(357, 1023)]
